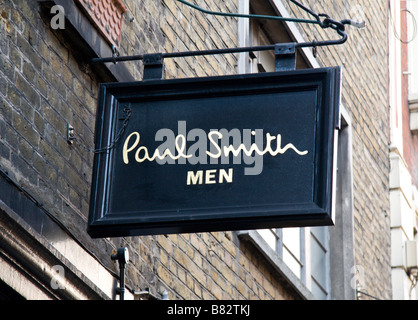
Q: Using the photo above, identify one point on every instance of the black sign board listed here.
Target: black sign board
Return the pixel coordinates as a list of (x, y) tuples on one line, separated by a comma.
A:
[(219, 153)]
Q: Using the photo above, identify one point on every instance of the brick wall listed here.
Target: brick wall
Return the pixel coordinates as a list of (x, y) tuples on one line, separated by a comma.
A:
[(43, 89), (365, 83), (45, 84)]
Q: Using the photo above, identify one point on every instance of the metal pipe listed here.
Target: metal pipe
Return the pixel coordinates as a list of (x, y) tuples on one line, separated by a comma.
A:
[(224, 51), (122, 256)]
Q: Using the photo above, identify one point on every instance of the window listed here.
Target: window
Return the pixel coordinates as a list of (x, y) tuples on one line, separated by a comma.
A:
[(305, 251), (260, 61), (89, 42)]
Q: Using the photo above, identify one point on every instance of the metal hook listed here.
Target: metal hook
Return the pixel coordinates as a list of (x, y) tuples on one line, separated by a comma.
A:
[(115, 53)]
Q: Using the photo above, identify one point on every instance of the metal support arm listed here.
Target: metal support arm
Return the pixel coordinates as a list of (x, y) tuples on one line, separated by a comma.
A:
[(122, 256), (153, 63)]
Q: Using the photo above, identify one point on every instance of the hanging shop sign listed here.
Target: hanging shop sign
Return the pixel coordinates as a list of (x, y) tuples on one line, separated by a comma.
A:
[(219, 153)]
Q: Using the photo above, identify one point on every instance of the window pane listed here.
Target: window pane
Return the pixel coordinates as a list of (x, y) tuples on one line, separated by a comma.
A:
[(321, 233), (318, 292), (269, 236), (291, 262), (291, 239), (291, 249), (318, 262)]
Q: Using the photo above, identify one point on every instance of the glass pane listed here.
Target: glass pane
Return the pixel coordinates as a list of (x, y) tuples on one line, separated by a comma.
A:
[(291, 239), (269, 236), (321, 233), (318, 262), (318, 292), (291, 262)]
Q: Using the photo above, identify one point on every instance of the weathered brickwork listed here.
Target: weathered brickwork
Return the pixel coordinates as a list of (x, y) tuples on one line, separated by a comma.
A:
[(43, 90), (169, 26), (364, 61), (45, 84)]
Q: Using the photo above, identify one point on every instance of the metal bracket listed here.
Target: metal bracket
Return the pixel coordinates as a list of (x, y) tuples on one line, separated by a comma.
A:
[(285, 56), (70, 134), (153, 66), (122, 256), (153, 63)]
